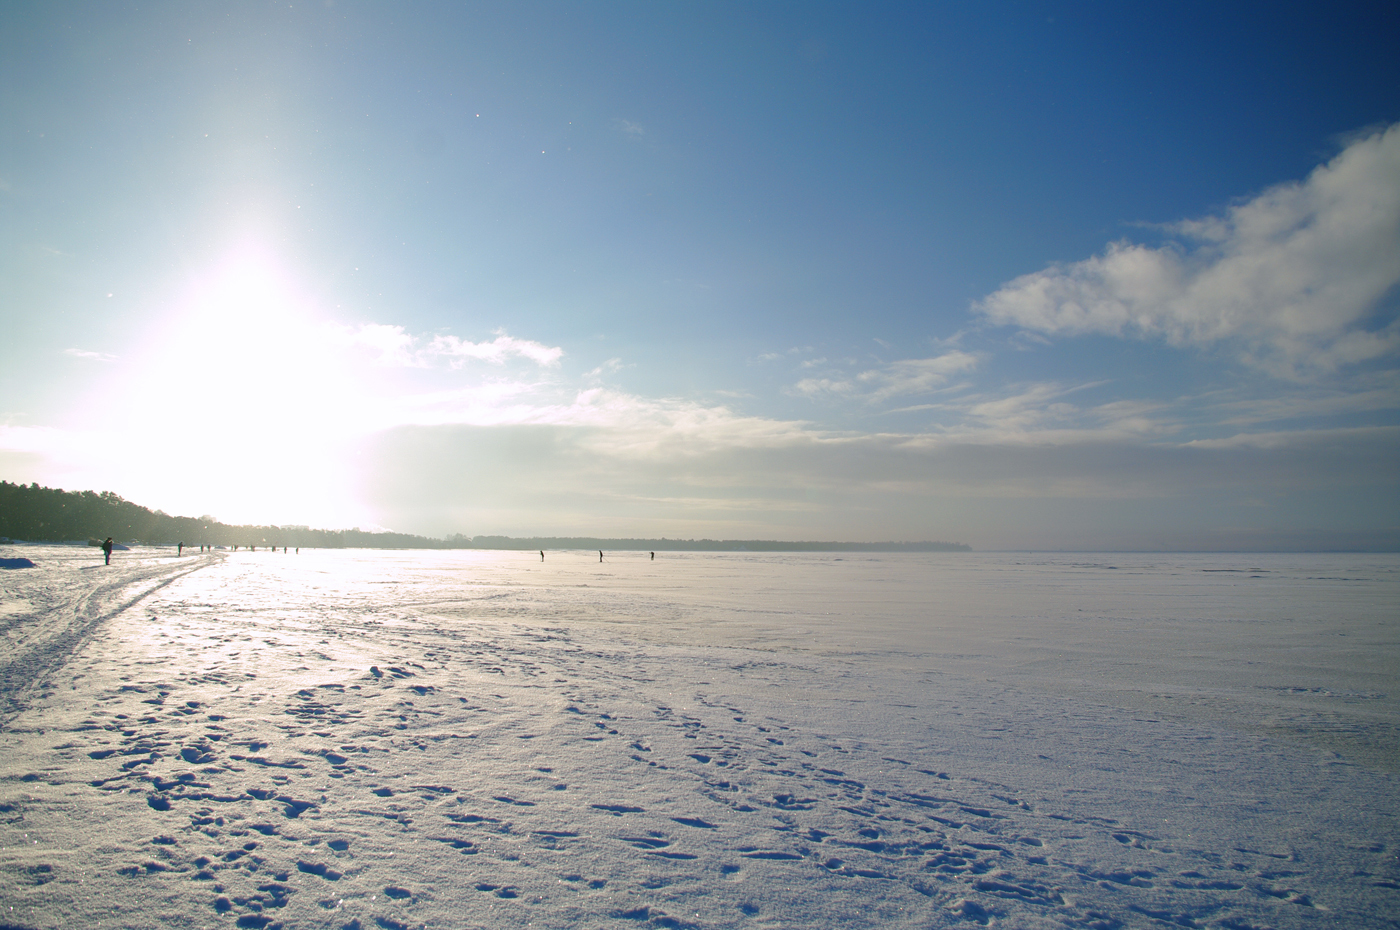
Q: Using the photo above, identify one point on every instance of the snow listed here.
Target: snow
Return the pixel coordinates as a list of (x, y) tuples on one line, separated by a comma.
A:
[(360, 739)]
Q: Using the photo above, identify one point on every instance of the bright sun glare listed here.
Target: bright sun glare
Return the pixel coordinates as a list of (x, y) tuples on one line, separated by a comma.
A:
[(246, 401)]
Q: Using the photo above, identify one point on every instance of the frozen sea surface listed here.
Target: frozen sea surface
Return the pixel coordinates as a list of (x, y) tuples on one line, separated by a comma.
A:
[(364, 739)]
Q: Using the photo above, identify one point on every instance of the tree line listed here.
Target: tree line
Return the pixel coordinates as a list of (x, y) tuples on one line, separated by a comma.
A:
[(39, 514)]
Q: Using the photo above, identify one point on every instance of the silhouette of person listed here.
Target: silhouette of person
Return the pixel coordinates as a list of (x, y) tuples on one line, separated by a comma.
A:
[(541, 555), (107, 551), (653, 556), (600, 555), (179, 549)]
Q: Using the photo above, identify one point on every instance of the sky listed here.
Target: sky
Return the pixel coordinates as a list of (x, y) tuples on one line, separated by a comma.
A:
[(1022, 275)]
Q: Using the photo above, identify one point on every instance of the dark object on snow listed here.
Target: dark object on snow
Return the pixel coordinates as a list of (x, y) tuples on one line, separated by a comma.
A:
[(16, 563)]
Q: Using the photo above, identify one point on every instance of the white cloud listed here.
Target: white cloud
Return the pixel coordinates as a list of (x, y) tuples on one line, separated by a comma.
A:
[(1048, 413), (607, 368), (1378, 392), (394, 347), (1055, 413), (815, 387), (496, 352), (1293, 439), (905, 377), (95, 356), (391, 342), (1032, 409), (636, 425), (915, 375), (1294, 276)]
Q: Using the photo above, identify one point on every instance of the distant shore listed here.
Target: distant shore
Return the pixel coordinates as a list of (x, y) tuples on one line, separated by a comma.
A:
[(51, 515), (556, 543), (704, 545)]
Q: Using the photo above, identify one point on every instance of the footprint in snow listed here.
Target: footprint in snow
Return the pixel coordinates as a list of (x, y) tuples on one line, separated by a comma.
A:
[(317, 868)]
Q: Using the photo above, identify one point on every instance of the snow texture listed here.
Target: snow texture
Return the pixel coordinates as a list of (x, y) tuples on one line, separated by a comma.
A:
[(364, 739)]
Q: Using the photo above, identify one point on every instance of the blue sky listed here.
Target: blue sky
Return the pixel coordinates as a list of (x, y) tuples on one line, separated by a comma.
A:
[(1024, 276)]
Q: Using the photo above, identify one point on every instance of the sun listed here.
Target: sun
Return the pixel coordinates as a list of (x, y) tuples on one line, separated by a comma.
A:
[(242, 395)]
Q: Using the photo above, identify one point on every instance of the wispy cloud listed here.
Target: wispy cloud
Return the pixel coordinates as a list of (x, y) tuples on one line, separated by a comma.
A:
[(1377, 392), (497, 352), (906, 377), (629, 128), (393, 346), (1033, 409), (1294, 276), (915, 376), (607, 368), (1049, 413), (774, 356), (95, 356)]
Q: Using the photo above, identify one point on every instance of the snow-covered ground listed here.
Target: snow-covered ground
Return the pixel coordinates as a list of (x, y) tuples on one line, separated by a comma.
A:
[(477, 739)]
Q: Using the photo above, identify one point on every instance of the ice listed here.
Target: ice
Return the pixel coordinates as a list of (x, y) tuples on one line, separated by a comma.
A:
[(478, 739)]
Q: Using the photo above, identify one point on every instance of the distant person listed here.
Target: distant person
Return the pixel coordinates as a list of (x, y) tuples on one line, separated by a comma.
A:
[(107, 551), (653, 556), (298, 550), (179, 549), (600, 555), (541, 555)]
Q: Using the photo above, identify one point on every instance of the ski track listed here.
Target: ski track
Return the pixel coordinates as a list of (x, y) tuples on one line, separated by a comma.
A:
[(343, 765), (56, 619)]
